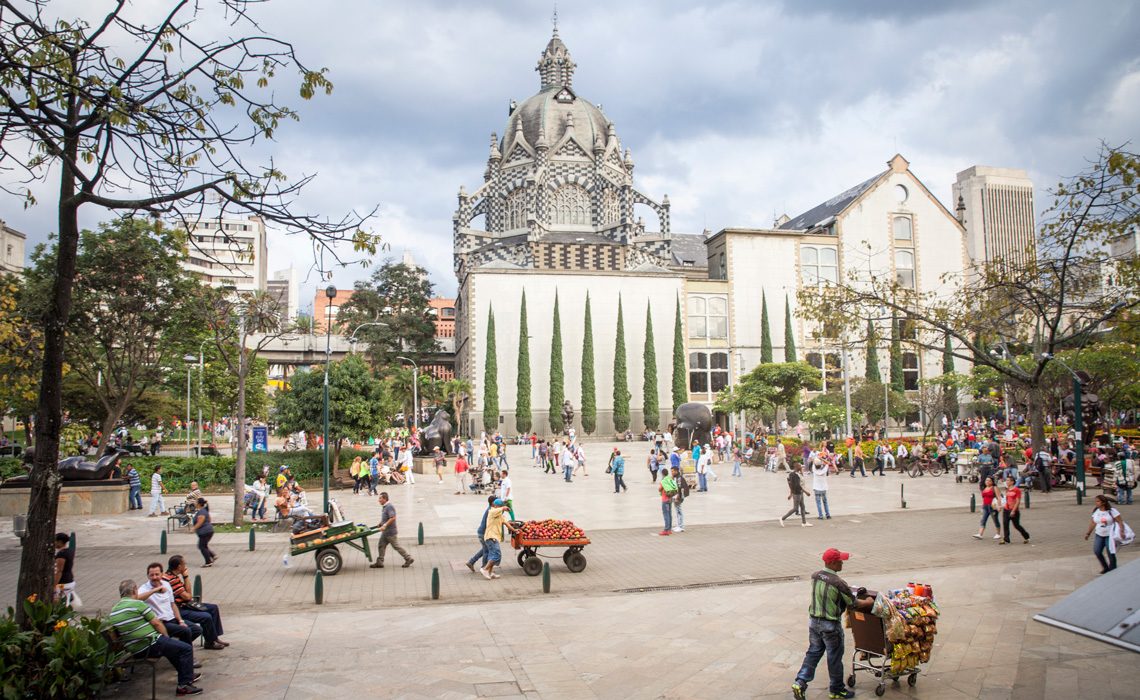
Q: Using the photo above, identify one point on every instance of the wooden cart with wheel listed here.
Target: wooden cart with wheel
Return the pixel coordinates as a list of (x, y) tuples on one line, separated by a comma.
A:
[(324, 542), (528, 556)]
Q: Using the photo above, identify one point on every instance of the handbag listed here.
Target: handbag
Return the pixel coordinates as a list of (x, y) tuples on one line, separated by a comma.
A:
[(194, 605), (1123, 535)]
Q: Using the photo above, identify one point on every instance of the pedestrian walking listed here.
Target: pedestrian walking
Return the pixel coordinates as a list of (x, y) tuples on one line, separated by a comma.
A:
[(204, 528), (479, 532), (579, 460), (461, 469), (134, 497), (736, 457), (1106, 523), (64, 571), (652, 463), (354, 472), (857, 460), (781, 455), (493, 537), (439, 461), (989, 509), (388, 533), (702, 470), (618, 466), (157, 505), (830, 598), (507, 491), (679, 498), (708, 454), (796, 493), (819, 472), (1011, 512), (1125, 481)]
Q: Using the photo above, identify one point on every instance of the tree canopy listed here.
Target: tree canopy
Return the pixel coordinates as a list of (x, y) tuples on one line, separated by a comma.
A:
[(394, 301)]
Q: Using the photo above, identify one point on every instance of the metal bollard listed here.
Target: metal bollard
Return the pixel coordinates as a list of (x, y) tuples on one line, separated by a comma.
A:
[(1027, 492), (545, 577), (902, 494), (252, 539), (162, 543), (197, 588), (435, 583), (420, 536), (319, 588), (973, 503), (71, 543)]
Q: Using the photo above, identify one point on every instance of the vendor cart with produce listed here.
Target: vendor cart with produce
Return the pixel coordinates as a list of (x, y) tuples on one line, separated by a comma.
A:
[(315, 534), (530, 536), (895, 638)]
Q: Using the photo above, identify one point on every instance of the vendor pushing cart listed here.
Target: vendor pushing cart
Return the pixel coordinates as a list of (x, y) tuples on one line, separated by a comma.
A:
[(895, 638)]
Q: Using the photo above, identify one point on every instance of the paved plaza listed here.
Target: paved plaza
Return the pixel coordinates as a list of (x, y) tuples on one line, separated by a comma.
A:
[(718, 611)]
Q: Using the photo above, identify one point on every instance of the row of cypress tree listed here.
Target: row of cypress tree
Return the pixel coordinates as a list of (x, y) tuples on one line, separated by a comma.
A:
[(589, 407)]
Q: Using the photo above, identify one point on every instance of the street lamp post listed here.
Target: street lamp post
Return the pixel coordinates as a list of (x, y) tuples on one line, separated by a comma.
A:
[(189, 360), (352, 338), (415, 394), (330, 293), (1078, 425), (201, 369)]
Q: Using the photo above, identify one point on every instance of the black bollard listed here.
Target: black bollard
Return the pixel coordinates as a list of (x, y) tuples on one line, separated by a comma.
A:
[(545, 577), (435, 583), (902, 494), (420, 536), (319, 588), (71, 543), (162, 543), (1027, 492), (197, 589), (252, 539), (973, 503)]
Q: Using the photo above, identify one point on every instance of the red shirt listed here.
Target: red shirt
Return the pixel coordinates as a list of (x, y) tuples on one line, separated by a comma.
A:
[(460, 465), (988, 495), (1012, 497)]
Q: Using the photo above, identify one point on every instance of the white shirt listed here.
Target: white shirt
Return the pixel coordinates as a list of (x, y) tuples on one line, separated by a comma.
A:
[(162, 602), (819, 477), (156, 483), (1105, 520), (703, 463), (508, 492)]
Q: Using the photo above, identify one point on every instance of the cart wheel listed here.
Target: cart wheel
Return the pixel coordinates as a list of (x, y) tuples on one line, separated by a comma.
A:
[(329, 561), (912, 679), (576, 562), (521, 559), (566, 556), (532, 566), (880, 689), (851, 681)]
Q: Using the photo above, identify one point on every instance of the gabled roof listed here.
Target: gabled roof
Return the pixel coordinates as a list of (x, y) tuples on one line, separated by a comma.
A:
[(832, 207), (689, 247)]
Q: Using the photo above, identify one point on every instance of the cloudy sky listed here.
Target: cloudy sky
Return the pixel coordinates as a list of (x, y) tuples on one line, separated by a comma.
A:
[(739, 111)]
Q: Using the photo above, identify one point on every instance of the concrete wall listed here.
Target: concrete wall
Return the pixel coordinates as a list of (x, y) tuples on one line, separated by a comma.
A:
[(96, 498), (502, 290)]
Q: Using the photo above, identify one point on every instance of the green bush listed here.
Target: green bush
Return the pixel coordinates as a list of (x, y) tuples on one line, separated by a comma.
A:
[(217, 473), (60, 655), (11, 466)]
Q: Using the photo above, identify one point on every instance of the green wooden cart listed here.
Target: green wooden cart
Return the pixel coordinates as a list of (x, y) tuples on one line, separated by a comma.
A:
[(325, 541)]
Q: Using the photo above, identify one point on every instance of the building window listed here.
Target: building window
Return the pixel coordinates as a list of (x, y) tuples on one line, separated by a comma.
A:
[(610, 208), (910, 371), (708, 317), (908, 329), (902, 229), (708, 372), (448, 312), (830, 369), (904, 268), (516, 209), (819, 265), (572, 206), (722, 273)]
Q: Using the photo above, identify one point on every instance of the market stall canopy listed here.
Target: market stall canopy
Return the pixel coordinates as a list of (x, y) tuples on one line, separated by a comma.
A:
[(1106, 609)]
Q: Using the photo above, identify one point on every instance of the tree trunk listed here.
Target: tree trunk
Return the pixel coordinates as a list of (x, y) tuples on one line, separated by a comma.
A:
[(108, 427), (1036, 408), (28, 430), (239, 463), (36, 569), (335, 466)]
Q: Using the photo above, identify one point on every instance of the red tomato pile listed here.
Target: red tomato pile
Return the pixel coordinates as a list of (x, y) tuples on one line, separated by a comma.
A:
[(551, 530)]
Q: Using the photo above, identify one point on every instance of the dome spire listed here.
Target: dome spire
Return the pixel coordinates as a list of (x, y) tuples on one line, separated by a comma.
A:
[(555, 66)]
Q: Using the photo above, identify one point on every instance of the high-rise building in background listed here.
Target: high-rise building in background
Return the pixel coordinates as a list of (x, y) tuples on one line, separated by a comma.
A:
[(12, 245), (285, 287), (325, 311), (229, 253), (996, 207)]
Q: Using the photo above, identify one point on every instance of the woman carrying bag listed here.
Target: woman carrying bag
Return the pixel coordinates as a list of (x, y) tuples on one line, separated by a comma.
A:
[(1105, 523)]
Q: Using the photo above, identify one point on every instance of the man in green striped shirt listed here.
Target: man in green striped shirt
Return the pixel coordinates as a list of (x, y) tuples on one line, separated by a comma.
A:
[(830, 598), (144, 636)]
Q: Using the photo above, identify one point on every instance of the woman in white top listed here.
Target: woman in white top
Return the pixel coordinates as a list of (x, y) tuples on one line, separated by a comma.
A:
[(819, 470), (1105, 520)]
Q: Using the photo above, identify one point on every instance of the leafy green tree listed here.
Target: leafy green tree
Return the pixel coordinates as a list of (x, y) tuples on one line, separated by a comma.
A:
[(867, 399), (394, 300), (589, 390), (557, 377), (789, 335), (896, 356), (129, 320), (765, 330), (680, 379), (621, 377), (136, 112), (650, 406), (522, 406), (872, 374), (825, 413), (491, 378), (360, 405), (458, 391), (769, 387)]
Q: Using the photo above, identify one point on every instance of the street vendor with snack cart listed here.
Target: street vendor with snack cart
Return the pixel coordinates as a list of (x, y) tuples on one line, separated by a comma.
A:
[(830, 598)]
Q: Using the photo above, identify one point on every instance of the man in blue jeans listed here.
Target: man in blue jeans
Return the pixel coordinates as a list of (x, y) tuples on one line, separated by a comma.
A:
[(482, 553), (830, 597)]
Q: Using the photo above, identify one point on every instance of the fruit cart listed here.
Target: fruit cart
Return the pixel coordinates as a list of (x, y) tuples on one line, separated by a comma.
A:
[(324, 541), (532, 535)]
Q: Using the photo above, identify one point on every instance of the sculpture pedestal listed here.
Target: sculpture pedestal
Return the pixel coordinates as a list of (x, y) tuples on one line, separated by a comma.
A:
[(423, 465), (75, 498)]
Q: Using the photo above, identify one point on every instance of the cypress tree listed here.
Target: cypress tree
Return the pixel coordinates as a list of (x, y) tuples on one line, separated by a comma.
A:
[(490, 377), (557, 381), (680, 382), (789, 336), (621, 377), (896, 355), (873, 375), (947, 357), (650, 406), (765, 331), (589, 392), (522, 407)]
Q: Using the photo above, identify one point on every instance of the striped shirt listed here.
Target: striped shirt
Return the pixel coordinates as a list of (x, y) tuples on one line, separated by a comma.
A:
[(830, 595), (131, 619)]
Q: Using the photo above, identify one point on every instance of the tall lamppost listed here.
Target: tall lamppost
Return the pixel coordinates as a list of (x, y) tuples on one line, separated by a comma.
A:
[(330, 294), (189, 360), (415, 394), (352, 338), (201, 369), (1078, 424)]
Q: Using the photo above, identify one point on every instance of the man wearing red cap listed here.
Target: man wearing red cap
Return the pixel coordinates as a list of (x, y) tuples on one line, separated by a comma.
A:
[(830, 597)]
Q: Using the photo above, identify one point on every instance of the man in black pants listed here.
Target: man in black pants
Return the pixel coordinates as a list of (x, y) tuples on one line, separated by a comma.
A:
[(796, 493)]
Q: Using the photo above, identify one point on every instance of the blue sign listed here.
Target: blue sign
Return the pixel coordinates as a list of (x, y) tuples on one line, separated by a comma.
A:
[(260, 439)]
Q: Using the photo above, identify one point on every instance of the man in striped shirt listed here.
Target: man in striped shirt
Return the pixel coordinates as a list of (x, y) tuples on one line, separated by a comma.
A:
[(830, 597), (144, 636)]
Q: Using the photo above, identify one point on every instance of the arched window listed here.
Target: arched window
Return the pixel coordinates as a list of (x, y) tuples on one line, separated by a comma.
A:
[(902, 229), (571, 206), (610, 209), (516, 209)]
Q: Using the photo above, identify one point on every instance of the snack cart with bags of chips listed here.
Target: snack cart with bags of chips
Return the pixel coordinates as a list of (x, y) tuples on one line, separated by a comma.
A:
[(895, 638)]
